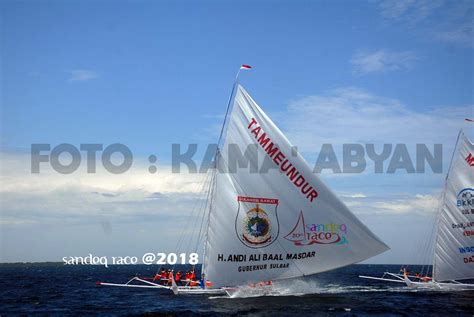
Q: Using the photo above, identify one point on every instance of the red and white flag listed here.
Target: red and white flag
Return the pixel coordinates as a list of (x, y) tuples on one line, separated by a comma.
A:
[(245, 67)]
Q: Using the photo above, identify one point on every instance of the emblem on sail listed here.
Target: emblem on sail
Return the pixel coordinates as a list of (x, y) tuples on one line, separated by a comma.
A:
[(465, 201), (330, 233), (256, 223)]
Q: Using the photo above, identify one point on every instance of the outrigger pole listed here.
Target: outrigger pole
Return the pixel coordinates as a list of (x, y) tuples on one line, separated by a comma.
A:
[(149, 284)]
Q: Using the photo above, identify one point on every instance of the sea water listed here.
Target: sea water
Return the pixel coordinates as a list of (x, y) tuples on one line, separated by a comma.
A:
[(58, 289)]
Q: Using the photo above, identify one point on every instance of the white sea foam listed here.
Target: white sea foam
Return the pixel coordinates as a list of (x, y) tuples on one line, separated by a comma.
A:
[(301, 288)]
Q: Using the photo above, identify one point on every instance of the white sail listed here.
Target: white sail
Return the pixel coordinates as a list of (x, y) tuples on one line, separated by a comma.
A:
[(275, 219), (454, 249)]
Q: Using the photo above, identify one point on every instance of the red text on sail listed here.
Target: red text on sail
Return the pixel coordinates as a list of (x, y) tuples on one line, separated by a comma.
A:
[(286, 167)]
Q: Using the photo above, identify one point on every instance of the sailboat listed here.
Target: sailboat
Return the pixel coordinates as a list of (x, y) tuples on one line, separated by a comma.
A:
[(453, 249), (273, 219)]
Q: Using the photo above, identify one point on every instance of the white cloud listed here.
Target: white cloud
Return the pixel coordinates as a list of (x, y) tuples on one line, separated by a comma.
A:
[(393, 204), (412, 10), (80, 197), (353, 115), (415, 204), (446, 21), (82, 75), (462, 34), (382, 61), (356, 195)]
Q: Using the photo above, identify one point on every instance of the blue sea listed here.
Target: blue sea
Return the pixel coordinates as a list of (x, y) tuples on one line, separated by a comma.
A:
[(56, 289)]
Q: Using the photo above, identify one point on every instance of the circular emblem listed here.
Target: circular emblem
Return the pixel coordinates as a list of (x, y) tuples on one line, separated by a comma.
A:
[(465, 201), (257, 226)]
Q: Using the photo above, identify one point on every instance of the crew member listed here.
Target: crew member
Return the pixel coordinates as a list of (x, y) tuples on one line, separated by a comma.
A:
[(202, 282), (426, 278), (164, 276), (177, 278)]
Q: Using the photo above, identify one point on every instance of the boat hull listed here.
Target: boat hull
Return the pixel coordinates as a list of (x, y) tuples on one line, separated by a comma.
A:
[(438, 286), (200, 291), (430, 285)]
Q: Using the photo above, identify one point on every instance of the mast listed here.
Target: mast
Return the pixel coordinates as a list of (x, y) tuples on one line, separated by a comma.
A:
[(211, 187), (236, 81)]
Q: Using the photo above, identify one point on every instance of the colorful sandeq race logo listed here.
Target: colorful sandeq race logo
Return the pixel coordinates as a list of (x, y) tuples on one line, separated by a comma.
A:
[(307, 234), (256, 223), (465, 201)]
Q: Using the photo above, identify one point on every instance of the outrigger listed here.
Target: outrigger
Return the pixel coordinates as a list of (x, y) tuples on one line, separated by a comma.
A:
[(186, 289), (425, 282), (257, 289)]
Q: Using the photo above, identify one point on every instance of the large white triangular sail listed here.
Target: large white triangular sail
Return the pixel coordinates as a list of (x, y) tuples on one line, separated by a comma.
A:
[(275, 219), (454, 249)]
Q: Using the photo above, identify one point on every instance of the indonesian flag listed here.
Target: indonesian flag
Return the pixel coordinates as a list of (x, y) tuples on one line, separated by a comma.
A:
[(245, 67)]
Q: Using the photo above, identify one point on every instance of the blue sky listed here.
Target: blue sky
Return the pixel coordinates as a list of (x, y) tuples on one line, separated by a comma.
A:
[(152, 73)]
